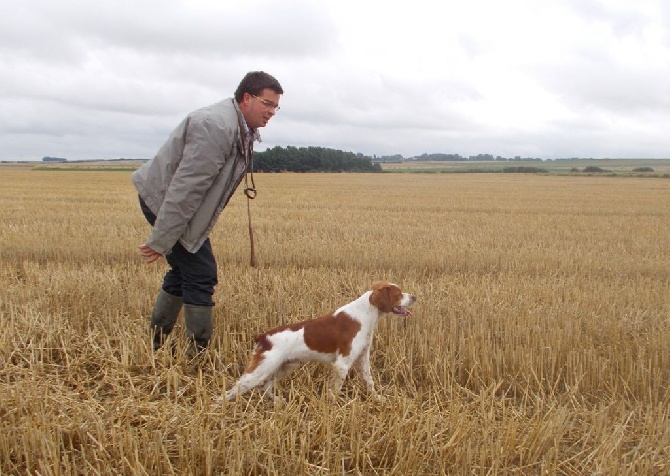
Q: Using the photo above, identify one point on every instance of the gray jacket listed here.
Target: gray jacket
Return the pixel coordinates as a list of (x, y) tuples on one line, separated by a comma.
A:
[(193, 175)]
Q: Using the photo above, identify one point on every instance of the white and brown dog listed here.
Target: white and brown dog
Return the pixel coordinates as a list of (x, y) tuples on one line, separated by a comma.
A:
[(342, 339)]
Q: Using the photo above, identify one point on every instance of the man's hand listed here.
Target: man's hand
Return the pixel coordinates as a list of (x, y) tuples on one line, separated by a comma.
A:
[(148, 254)]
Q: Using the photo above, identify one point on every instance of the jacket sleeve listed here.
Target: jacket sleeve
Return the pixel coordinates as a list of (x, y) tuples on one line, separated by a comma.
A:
[(206, 147)]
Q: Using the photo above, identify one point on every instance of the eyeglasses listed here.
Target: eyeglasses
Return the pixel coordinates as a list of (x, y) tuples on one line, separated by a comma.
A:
[(267, 103)]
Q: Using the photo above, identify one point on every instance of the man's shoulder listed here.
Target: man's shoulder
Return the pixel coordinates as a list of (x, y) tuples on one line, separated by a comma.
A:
[(215, 118), (219, 110), (217, 122)]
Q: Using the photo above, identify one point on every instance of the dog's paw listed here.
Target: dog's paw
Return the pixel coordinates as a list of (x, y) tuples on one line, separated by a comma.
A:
[(379, 397), (279, 401)]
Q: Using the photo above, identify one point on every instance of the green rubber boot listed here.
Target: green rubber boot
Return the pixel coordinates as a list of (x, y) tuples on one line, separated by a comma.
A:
[(163, 317), (198, 320)]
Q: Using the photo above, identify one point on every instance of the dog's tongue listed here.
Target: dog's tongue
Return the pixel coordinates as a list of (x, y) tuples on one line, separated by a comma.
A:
[(402, 311)]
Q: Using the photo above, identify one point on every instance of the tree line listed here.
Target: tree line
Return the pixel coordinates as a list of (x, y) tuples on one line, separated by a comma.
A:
[(475, 158), (312, 159)]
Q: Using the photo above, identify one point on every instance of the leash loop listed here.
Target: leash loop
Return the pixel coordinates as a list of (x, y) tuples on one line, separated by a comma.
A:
[(250, 192)]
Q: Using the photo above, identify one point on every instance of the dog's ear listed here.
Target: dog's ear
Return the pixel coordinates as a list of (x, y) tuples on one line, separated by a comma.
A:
[(378, 285)]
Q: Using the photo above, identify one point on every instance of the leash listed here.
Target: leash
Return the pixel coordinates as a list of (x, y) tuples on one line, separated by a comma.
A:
[(250, 192)]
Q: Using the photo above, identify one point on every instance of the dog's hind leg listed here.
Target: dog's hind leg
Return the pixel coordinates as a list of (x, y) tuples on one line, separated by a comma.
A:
[(281, 373), (262, 374)]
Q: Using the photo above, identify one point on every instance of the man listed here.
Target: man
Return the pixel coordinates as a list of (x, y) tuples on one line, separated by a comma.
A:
[(184, 189)]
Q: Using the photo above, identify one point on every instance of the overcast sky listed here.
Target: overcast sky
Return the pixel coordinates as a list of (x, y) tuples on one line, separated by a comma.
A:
[(107, 79)]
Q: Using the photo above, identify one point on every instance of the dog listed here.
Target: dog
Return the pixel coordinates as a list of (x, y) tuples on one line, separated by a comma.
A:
[(342, 339)]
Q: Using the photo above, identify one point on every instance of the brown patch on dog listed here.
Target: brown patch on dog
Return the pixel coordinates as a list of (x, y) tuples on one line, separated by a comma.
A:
[(385, 296), (327, 334), (332, 333)]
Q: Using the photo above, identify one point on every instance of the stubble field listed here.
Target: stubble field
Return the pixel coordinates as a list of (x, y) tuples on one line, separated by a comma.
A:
[(539, 343)]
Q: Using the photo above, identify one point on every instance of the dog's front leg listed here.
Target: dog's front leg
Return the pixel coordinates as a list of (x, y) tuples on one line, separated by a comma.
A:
[(363, 365), (340, 370)]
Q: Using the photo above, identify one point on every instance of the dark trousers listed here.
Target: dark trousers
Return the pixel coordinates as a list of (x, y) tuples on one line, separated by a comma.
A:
[(192, 276)]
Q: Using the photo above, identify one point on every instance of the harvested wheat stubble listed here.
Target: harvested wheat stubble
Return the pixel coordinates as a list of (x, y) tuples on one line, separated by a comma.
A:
[(539, 345)]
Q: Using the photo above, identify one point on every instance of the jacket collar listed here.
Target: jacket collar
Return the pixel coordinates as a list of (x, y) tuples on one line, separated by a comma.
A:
[(244, 128)]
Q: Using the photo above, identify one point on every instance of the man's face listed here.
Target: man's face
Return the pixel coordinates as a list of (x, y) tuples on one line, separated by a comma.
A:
[(259, 109)]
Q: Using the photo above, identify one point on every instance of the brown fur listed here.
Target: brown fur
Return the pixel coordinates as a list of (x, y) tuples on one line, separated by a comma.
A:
[(329, 333), (385, 297)]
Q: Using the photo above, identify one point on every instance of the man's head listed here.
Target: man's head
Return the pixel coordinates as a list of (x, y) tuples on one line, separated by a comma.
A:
[(258, 96)]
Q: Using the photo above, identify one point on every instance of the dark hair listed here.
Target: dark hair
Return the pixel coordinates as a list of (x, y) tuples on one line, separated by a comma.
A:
[(255, 82)]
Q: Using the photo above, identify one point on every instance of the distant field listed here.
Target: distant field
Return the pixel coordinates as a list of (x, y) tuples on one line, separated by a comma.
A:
[(661, 167), (97, 165), (627, 167), (539, 343)]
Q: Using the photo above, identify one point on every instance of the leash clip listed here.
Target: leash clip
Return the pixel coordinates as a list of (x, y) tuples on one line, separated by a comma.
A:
[(250, 192)]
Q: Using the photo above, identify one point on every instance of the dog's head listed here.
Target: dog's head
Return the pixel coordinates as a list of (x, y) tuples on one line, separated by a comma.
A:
[(388, 297)]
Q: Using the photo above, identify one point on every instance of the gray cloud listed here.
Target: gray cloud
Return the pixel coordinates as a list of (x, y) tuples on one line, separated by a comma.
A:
[(110, 79)]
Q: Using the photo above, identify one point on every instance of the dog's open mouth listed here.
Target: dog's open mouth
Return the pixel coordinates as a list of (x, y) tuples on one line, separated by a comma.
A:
[(402, 311)]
